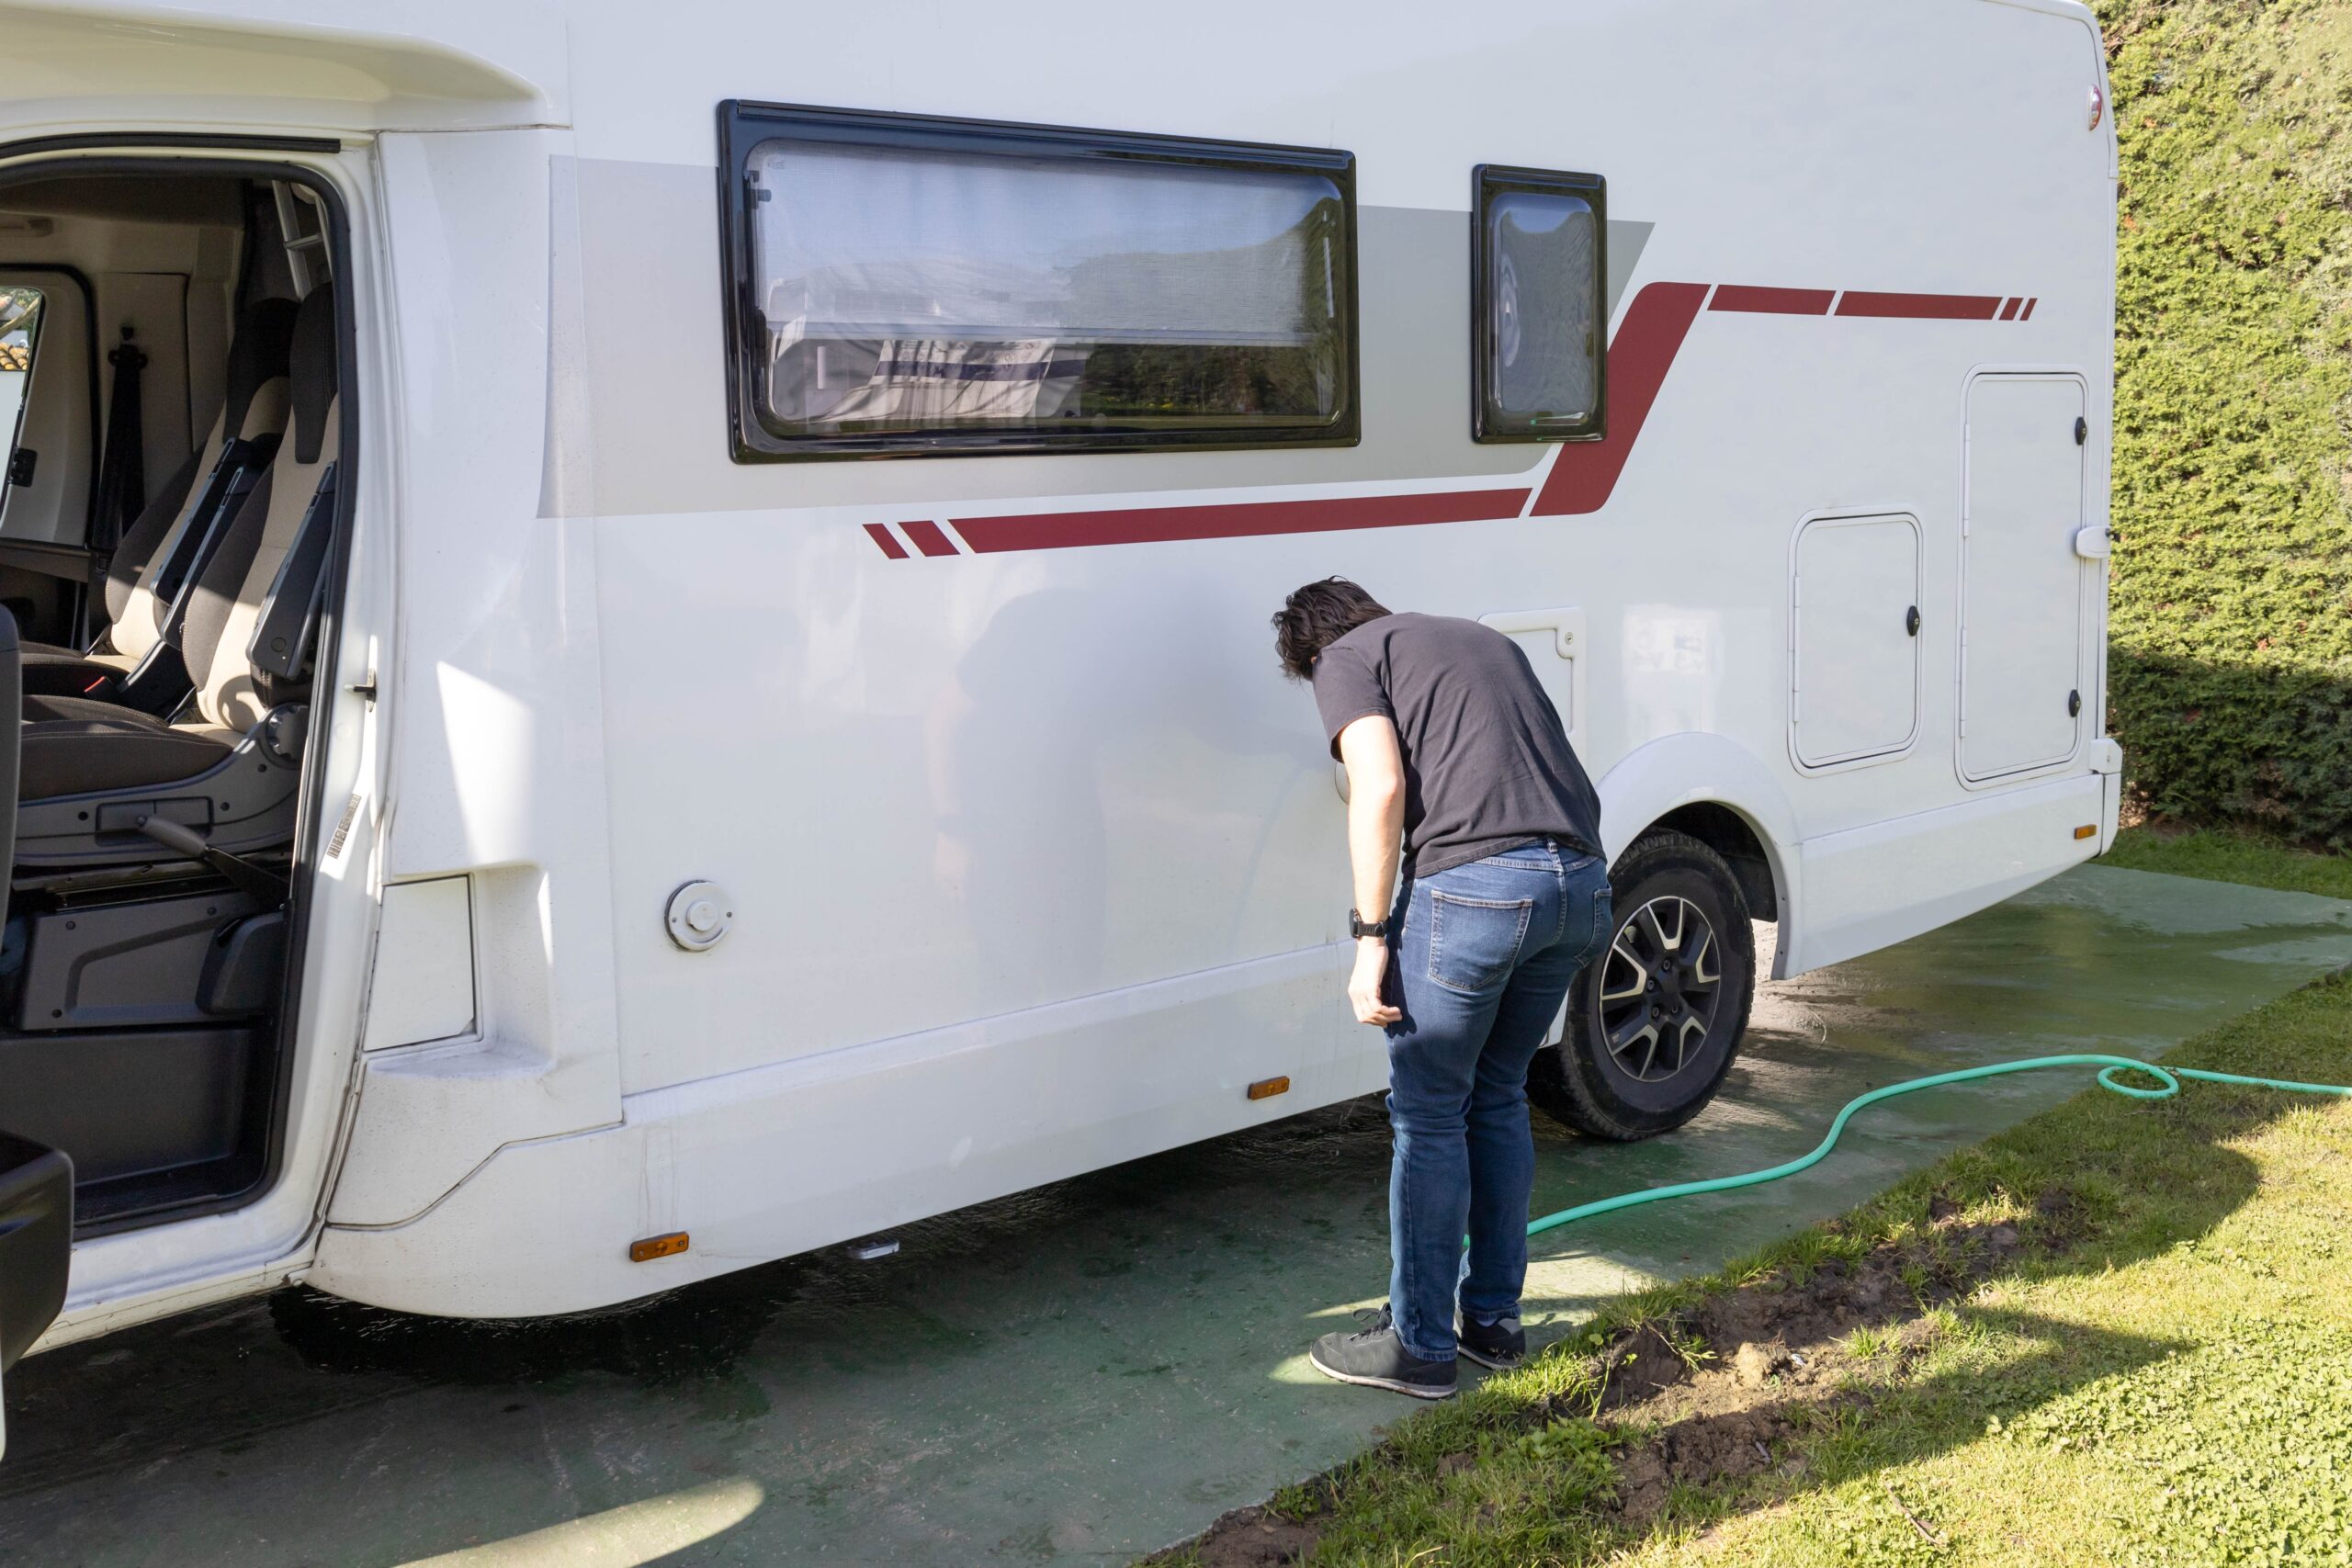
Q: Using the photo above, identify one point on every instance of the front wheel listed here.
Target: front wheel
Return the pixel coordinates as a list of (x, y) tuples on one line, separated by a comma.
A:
[(1653, 1022)]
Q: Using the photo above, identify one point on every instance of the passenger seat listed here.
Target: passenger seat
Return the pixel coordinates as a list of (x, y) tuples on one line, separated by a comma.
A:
[(90, 771), (148, 567)]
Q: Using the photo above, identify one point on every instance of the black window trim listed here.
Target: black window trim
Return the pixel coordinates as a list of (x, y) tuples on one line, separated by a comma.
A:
[(1487, 425), (744, 124)]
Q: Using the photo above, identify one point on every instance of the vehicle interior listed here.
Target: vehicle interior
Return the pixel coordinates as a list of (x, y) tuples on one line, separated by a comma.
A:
[(170, 354)]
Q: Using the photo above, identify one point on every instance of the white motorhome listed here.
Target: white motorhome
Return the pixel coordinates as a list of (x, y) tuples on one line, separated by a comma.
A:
[(662, 659)]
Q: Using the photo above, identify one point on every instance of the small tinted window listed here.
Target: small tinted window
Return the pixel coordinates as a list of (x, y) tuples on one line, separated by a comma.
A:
[(912, 286), (19, 329), (1540, 316), (21, 313)]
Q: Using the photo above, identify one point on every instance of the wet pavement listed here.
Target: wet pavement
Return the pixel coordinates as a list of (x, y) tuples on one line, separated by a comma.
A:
[(1075, 1375)]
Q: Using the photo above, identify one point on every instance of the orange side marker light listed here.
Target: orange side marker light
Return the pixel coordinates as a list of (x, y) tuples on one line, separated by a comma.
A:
[(2087, 831), (653, 1246), (1266, 1088)]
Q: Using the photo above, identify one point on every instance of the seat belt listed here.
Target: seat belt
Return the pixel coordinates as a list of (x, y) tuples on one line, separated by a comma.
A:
[(234, 474), (122, 468), (281, 650)]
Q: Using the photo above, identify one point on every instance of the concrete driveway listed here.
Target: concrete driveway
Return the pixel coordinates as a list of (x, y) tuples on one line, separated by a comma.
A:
[(1075, 1375)]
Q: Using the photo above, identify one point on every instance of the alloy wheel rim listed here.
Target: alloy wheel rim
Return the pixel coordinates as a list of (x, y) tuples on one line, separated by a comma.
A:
[(1659, 986)]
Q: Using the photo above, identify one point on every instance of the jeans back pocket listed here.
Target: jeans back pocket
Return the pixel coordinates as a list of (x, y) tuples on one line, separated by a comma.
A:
[(1604, 922), (1475, 943)]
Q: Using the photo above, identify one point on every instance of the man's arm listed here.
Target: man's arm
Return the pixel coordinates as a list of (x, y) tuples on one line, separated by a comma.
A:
[(1376, 829)]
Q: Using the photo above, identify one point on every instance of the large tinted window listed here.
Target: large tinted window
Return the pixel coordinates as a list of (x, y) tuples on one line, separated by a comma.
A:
[(1540, 318), (913, 286)]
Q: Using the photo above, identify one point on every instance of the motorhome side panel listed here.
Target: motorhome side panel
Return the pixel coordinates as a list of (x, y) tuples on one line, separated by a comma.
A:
[(1028, 855), (499, 733), (1015, 744)]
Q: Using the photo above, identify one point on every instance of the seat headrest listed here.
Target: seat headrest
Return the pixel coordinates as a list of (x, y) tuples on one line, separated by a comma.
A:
[(257, 355), (313, 370)]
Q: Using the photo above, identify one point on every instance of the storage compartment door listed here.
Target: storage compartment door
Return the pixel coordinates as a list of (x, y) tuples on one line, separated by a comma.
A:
[(1553, 641), (2022, 582), (1855, 649)]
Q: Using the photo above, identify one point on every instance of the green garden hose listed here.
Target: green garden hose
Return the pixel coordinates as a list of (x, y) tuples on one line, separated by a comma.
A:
[(2167, 1085)]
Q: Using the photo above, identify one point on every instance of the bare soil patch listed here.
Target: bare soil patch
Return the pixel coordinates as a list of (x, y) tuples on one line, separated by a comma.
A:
[(1254, 1537), (1714, 1394)]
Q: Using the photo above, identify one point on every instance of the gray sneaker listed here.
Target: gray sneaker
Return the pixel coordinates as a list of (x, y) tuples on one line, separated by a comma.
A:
[(1373, 1356), (1501, 1345)]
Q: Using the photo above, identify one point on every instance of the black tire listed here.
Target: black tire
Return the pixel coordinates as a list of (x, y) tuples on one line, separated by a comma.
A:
[(1677, 904)]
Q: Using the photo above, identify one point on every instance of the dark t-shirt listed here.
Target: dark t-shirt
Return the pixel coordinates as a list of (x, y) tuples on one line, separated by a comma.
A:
[(1486, 765)]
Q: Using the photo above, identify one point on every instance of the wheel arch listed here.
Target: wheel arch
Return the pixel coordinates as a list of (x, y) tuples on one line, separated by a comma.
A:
[(1734, 838), (1716, 792)]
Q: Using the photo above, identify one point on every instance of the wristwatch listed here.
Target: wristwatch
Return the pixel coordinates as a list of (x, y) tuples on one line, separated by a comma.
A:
[(1360, 927)]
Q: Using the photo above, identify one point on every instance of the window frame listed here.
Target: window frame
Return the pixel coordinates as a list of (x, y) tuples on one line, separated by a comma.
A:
[(755, 437), (32, 356), (1489, 424), (92, 398)]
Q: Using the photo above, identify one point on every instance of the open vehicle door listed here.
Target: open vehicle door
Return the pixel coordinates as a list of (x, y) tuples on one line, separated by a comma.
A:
[(36, 1244), (35, 1181)]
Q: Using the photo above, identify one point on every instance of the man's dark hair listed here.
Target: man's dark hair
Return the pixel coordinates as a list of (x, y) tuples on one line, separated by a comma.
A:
[(1318, 615)]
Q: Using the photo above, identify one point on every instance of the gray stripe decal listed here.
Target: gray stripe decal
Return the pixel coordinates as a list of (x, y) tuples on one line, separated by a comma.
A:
[(1626, 241)]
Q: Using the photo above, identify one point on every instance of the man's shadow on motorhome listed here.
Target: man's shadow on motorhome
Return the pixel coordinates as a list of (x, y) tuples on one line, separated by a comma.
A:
[(1051, 738)]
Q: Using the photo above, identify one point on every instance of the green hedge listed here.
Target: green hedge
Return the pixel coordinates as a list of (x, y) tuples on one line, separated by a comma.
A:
[(2231, 620)]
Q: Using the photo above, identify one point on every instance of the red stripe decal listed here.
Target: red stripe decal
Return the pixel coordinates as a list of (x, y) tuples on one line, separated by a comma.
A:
[(1773, 302), (1581, 478), (928, 537), (1639, 356), (2027, 314), (1238, 520), (1920, 307)]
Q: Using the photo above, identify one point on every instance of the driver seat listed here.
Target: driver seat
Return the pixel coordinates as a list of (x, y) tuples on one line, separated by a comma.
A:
[(146, 575), (90, 771)]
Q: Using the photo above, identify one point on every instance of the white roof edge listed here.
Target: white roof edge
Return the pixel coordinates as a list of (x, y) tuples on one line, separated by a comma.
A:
[(422, 64), (2074, 10)]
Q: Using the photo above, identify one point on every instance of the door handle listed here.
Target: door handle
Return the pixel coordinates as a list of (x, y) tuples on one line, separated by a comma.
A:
[(2092, 543), (1911, 620), (20, 465)]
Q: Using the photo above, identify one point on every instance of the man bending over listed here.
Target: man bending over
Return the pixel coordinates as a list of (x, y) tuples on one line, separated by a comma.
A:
[(1459, 776)]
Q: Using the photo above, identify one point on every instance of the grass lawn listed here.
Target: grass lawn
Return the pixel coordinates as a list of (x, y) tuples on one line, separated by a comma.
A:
[(2121, 1333), (2219, 855)]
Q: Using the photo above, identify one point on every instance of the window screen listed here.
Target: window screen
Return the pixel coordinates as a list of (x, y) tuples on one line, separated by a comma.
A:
[(19, 326), (917, 286), (1541, 320)]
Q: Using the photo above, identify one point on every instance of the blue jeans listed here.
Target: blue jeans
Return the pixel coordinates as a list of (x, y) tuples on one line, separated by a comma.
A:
[(1486, 953)]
